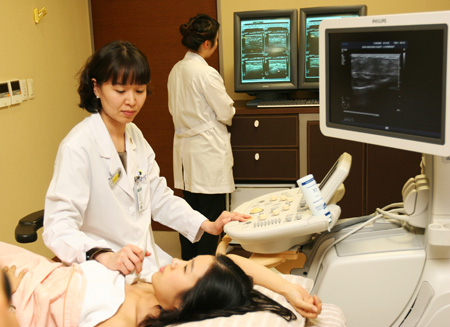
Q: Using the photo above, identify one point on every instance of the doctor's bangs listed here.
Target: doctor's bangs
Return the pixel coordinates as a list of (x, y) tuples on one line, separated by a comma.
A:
[(129, 70)]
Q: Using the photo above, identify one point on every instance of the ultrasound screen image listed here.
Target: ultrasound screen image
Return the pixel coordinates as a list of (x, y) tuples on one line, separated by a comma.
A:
[(265, 52), (312, 47), (277, 68), (253, 43), (254, 69), (377, 81), (277, 42), (311, 35), (373, 74)]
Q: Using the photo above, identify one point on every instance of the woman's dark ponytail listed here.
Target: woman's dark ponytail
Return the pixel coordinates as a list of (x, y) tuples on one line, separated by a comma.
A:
[(197, 30)]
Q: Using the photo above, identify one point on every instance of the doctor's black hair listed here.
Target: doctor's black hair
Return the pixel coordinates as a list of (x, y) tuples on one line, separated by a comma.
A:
[(197, 30), (118, 61), (223, 291)]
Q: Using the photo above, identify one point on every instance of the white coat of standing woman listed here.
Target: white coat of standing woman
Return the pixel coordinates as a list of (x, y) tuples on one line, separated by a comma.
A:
[(106, 186), (201, 110)]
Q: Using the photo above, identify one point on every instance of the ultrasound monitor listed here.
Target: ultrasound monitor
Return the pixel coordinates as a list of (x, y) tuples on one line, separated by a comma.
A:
[(384, 80), (310, 19), (265, 52)]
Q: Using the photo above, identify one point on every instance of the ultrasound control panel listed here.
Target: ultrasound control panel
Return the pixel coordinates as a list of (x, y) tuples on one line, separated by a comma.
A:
[(281, 220)]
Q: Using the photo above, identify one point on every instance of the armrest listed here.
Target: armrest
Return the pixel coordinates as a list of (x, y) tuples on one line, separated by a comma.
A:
[(27, 227)]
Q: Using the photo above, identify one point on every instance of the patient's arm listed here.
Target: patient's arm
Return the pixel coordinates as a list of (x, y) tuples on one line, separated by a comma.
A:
[(307, 305)]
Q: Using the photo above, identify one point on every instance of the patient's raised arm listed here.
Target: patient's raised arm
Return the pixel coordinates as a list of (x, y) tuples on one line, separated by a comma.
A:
[(305, 304)]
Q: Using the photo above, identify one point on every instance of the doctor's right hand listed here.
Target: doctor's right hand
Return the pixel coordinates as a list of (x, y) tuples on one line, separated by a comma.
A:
[(126, 260)]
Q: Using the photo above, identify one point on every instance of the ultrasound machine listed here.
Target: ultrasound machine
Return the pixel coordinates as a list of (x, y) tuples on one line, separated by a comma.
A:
[(384, 80)]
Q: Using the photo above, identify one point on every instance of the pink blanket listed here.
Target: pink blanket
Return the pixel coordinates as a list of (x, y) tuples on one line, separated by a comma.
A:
[(50, 294)]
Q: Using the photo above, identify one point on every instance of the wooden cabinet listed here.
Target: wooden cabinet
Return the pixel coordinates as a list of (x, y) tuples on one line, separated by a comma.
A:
[(265, 147)]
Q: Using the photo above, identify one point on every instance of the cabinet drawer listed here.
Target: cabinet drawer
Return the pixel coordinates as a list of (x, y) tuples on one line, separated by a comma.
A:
[(269, 131), (261, 164)]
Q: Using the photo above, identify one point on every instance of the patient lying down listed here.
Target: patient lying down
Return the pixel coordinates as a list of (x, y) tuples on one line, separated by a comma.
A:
[(51, 294)]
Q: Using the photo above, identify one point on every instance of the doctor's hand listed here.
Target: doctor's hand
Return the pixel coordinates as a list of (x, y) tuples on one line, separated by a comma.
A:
[(216, 227), (305, 304), (126, 260)]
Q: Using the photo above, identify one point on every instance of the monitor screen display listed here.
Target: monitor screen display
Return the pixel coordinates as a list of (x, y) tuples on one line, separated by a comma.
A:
[(386, 83), (310, 19), (265, 50)]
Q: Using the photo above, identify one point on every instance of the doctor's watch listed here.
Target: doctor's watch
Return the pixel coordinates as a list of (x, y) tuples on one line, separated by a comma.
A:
[(92, 253)]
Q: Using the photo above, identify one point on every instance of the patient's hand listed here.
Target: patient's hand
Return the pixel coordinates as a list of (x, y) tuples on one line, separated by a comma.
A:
[(128, 259), (305, 304), (14, 280), (216, 227)]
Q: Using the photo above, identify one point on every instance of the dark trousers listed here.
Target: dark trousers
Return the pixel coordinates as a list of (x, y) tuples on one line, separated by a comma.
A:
[(211, 206)]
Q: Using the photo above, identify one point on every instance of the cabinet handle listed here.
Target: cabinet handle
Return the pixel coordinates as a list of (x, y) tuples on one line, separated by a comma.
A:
[(256, 156), (256, 123)]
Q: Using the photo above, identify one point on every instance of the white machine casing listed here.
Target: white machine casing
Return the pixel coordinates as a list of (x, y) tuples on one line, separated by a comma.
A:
[(389, 271), (393, 275)]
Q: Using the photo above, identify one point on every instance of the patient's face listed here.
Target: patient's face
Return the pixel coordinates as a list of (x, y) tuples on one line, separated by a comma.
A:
[(179, 277)]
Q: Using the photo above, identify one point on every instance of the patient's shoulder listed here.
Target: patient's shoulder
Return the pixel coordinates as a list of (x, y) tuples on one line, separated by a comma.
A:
[(117, 321), (139, 303)]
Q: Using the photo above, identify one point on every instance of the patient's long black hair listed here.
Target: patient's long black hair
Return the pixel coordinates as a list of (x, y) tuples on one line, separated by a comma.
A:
[(223, 291)]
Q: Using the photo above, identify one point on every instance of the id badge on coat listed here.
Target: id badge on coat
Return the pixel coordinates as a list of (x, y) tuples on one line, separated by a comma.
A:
[(140, 204), (139, 192)]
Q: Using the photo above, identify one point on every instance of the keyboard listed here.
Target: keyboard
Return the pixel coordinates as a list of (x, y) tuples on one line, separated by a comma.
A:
[(292, 103), (279, 221)]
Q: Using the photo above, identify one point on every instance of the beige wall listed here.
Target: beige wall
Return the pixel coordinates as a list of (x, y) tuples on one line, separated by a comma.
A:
[(226, 9), (50, 53)]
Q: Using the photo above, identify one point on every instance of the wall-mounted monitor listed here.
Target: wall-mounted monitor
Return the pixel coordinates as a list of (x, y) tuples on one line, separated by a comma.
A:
[(265, 52), (385, 80), (310, 19)]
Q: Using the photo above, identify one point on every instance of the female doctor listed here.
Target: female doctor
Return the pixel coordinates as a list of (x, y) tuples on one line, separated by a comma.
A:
[(201, 110), (106, 186)]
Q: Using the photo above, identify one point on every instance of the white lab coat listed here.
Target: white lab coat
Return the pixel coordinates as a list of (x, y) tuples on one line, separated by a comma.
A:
[(201, 109), (85, 208)]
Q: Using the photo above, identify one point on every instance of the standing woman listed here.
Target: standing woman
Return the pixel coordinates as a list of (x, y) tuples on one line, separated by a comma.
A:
[(201, 110), (106, 186)]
